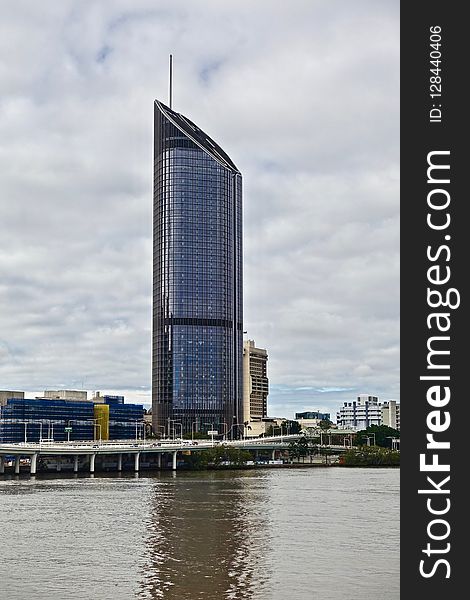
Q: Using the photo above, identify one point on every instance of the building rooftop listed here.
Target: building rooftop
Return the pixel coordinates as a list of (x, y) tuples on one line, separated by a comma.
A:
[(198, 136)]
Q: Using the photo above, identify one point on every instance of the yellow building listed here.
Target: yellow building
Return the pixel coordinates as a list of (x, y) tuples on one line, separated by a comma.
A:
[(101, 412)]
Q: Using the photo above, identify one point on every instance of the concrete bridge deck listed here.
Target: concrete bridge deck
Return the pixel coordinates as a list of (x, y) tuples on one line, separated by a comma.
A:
[(92, 449)]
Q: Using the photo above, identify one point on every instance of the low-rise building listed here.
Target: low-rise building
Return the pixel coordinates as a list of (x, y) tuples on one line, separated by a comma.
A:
[(260, 427), (313, 414), (311, 419), (24, 419)]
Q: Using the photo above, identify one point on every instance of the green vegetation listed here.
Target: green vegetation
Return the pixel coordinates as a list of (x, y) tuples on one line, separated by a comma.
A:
[(301, 447), (308, 446), (216, 457), (380, 435), (370, 456), (325, 425)]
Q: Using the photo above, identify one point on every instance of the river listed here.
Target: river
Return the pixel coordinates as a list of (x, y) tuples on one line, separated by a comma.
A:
[(267, 534)]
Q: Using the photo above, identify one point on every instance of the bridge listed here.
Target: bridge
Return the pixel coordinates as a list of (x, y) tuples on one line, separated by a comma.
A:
[(89, 450)]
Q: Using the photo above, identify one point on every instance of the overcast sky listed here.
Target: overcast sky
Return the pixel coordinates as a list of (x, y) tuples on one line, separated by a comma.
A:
[(302, 95)]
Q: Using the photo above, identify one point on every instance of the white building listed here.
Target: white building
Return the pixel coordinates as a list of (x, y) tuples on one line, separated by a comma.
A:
[(391, 414), (360, 414)]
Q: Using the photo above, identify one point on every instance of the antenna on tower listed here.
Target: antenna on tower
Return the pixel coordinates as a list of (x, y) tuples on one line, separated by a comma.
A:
[(171, 79)]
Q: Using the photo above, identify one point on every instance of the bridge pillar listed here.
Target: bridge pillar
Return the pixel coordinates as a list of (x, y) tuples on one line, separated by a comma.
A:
[(159, 460), (273, 455), (34, 459), (174, 460), (92, 463), (119, 465), (2, 464), (75, 463), (17, 464), (136, 461)]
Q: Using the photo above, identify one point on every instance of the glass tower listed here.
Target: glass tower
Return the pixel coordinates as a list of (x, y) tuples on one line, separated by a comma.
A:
[(197, 335)]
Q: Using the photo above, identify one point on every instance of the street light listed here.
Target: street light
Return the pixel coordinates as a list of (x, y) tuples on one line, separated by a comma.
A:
[(96, 424), (211, 432), (238, 425), (174, 424), (225, 429), (395, 441), (192, 430)]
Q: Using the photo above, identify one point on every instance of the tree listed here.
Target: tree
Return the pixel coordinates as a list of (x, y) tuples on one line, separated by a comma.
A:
[(216, 456), (291, 427), (380, 433), (299, 448), (325, 425)]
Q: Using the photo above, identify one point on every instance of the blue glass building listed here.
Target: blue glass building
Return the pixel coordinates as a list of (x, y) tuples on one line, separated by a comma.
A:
[(122, 418), (37, 419), (313, 414), (197, 280), (34, 419)]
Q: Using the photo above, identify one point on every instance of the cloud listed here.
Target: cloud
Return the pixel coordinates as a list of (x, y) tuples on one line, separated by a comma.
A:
[(308, 110)]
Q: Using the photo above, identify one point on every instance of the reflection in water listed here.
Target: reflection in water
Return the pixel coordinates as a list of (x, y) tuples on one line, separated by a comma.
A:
[(207, 538), (276, 534)]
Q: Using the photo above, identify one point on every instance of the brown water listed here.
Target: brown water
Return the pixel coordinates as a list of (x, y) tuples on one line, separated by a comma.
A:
[(295, 534)]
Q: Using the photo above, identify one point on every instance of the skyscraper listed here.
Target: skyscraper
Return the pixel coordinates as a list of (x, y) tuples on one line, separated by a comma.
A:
[(197, 281), (255, 382)]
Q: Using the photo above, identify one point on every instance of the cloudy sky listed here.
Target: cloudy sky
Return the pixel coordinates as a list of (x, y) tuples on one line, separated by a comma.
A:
[(302, 95)]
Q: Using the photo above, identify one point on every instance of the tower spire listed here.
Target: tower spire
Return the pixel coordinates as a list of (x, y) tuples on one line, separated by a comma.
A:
[(171, 81)]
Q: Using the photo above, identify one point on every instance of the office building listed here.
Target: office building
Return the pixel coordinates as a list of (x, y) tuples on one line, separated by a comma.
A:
[(51, 418), (197, 338), (255, 382), (34, 419), (126, 421), (391, 414), (313, 414), (361, 413)]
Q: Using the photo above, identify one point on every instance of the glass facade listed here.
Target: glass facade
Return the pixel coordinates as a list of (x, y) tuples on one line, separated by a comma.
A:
[(313, 415), (197, 280), (123, 418), (36, 419), (31, 420)]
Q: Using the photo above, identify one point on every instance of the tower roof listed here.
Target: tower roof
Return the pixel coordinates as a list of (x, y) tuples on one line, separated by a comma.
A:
[(199, 137)]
